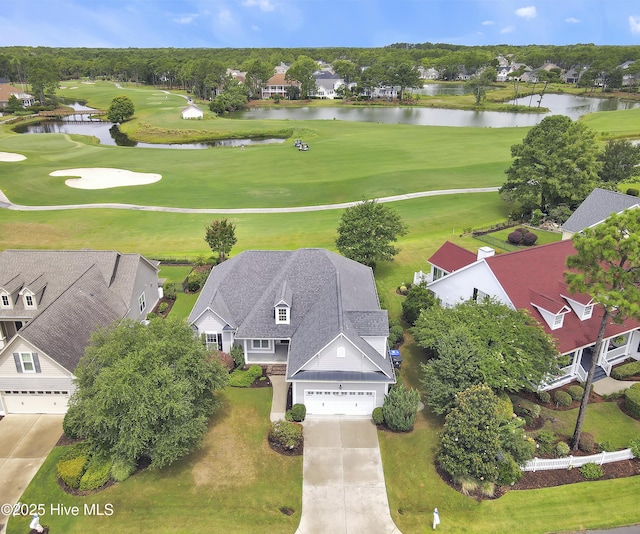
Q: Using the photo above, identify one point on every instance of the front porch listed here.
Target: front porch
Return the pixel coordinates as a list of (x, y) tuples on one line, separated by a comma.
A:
[(279, 355), (614, 350)]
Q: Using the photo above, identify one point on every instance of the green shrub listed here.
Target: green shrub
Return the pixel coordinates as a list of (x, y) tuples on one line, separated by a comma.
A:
[(625, 371), (121, 469), (71, 471), (97, 474), (418, 298), (536, 410), (562, 449), (78, 450), (537, 217), (169, 291), (509, 471), (562, 398), (632, 191), (286, 434), (243, 379), (632, 400), (576, 392), (587, 443), (396, 333), (544, 397), (591, 471), (634, 445), (505, 406), (606, 446), (72, 423), (237, 353), (545, 440), (298, 412), (196, 279), (378, 417), (163, 307), (400, 408)]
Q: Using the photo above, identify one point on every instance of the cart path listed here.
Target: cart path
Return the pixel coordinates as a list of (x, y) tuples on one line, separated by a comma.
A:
[(7, 204)]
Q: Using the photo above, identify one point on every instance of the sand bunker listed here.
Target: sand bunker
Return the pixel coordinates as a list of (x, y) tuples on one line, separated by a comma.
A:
[(103, 178), (10, 157)]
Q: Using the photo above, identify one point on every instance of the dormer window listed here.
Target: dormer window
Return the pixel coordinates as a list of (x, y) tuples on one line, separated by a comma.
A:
[(29, 300), (558, 320), (587, 312), (282, 315), (5, 301)]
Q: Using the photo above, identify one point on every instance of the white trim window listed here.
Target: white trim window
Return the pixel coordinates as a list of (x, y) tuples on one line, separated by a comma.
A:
[(142, 303), (28, 365), (261, 344), (282, 315), (588, 312), (5, 301), (29, 300), (558, 321), (213, 339)]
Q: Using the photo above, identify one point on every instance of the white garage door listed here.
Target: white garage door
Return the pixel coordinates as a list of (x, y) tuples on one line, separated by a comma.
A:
[(53, 402), (339, 402)]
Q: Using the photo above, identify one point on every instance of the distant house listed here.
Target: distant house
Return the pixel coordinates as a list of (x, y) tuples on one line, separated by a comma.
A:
[(50, 304), (327, 83), (6, 90), (428, 74), (311, 310), (277, 86), (599, 205), (192, 112), (573, 75), (532, 279)]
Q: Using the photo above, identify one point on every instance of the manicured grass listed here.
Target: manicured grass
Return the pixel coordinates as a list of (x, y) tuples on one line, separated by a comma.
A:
[(414, 487), (234, 483), (174, 274), (625, 123), (183, 305)]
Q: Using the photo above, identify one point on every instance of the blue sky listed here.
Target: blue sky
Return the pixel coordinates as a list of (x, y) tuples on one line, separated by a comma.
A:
[(315, 23)]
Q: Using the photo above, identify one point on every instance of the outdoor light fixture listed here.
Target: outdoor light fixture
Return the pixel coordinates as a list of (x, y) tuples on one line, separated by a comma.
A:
[(340, 386)]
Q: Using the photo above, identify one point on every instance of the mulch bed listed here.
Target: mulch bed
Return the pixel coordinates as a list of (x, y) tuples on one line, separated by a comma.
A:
[(168, 302), (277, 447), (262, 381)]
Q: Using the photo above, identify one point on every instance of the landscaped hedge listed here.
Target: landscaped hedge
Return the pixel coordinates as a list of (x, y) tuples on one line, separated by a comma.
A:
[(243, 379), (626, 370), (544, 396), (591, 471), (377, 416), (632, 400), (587, 443), (97, 474), (576, 392), (297, 413), (562, 398), (121, 470), (72, 464), (286, 434)]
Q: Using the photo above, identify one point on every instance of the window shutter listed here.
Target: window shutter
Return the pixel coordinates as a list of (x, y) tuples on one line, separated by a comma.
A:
[(36, 362), (16, 358)]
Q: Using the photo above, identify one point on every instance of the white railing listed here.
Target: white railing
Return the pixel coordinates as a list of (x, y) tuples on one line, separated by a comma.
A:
[(545, 464), (420, 278), (615, 353)]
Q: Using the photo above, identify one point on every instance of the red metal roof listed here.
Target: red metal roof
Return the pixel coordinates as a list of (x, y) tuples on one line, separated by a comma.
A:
[(540, 270), (451, 257)]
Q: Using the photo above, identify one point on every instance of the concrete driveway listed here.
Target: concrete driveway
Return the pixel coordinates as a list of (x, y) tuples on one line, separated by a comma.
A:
[(343, 489), (26, 441)]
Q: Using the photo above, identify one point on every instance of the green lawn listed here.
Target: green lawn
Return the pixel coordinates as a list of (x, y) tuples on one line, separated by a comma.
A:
[(348, 161), (235, 483)]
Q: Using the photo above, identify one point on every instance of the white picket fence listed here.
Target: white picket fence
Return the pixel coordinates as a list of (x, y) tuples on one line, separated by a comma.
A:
[(545, 464)]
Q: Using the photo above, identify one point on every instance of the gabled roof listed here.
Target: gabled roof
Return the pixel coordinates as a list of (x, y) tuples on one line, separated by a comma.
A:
[(540, 271), (330, 295), (599, 205), (452, 257), (83, 290)]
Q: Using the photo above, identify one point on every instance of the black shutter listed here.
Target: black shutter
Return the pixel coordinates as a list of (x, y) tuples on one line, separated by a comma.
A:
[(16, 357), (36, 362)]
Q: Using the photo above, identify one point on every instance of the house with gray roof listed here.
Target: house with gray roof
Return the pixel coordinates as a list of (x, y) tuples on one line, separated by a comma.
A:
[(50, 304), (311, 310), (597, 207)]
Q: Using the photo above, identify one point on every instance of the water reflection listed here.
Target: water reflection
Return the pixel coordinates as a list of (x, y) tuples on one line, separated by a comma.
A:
[(109, 134)]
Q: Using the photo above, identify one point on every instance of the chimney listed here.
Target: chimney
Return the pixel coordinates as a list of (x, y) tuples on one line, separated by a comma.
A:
[(485, 252)]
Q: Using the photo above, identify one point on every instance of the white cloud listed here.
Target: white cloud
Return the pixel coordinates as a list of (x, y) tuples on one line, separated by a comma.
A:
[(264, 5), (634, 24), (225, 16), (528, 12), (255, 28), (507, 29), (572, 20), (488, 23), (186, 19)]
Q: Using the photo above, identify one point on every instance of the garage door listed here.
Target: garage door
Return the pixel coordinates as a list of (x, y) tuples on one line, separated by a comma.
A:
[(339, 402), (45, 402)]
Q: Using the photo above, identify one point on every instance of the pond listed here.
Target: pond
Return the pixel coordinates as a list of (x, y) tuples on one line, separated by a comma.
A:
[(570, 105), (435, 89), (109, 134)]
